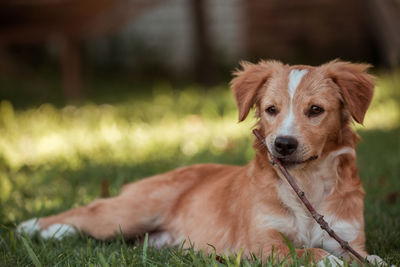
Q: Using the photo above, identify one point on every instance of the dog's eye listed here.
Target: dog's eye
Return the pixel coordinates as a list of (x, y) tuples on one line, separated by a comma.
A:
[(315, 111), (271, 110)]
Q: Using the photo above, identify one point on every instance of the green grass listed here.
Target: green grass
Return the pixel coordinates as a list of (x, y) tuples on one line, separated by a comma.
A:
[(54, 158)]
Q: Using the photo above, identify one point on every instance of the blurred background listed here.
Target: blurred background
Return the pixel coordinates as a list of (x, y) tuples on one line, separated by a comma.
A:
[(109, 91), (59, 50)]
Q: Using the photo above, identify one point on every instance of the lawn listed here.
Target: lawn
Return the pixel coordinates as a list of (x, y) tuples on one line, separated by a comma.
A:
[(56, 157)]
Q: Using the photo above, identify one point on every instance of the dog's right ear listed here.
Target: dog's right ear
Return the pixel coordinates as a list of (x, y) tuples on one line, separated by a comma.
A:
[(248, 80)]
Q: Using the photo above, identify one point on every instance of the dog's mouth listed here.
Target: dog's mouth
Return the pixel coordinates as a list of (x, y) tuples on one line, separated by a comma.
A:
[(290, 163)]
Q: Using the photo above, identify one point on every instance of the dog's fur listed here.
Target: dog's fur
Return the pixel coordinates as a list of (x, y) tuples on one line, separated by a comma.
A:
[(233, 207)]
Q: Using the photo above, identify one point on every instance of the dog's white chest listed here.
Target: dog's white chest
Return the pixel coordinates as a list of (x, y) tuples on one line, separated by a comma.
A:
[(300, 227), (297, 223)]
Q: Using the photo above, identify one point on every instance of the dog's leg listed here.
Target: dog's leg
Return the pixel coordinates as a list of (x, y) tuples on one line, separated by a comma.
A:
[(281, 250), (314, 254), (321, 257), (104, 218), (101, 219)]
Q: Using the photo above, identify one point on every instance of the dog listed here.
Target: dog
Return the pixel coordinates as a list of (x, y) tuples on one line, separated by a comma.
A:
[(305, 114)]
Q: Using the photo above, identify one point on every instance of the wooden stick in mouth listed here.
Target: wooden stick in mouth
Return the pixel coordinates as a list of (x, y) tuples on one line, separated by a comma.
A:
[(317, 217)]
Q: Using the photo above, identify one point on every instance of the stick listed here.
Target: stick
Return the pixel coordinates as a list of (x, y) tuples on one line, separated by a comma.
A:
[(317, 217)]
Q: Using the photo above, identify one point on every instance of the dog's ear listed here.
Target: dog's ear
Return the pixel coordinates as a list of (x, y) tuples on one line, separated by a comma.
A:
[(248, 80), (356, 86)]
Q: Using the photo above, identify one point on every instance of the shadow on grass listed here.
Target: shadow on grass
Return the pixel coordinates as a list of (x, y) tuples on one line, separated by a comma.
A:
[(379, 168)]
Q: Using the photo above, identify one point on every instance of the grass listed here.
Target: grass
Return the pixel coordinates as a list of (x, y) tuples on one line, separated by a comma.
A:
[(54, 158)]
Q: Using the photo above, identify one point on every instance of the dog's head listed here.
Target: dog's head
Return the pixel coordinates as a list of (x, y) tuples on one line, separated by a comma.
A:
[(302, 110)]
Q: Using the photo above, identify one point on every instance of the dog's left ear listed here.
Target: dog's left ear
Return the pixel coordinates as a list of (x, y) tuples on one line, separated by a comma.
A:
[(356, 86), (248, 80)]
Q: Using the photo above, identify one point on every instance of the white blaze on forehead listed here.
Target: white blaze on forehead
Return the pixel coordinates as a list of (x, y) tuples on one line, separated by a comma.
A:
[(295, 77)]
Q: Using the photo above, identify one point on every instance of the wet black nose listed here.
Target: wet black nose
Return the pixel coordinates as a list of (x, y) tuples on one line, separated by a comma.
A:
[(285, 145)]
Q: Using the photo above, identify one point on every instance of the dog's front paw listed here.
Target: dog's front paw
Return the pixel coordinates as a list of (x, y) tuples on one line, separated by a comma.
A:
[(375, 259), (330, 260), (58, 231), (29, 227)]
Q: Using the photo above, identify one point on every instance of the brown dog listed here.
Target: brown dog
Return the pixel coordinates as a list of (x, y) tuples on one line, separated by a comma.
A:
[(305, 114)]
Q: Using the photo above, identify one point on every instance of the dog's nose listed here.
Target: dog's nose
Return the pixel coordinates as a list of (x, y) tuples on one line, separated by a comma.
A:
[(285, 145)]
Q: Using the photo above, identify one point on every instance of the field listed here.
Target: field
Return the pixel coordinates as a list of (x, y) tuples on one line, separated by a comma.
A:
[(55, 157)]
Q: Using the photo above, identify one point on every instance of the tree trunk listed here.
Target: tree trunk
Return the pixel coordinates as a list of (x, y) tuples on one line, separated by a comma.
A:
[(205, 69)]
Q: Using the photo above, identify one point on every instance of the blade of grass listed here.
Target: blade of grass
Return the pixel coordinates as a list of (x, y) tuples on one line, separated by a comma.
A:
[(31, 253), (238, 257), (291, 247), (102, 260), (195, 258), (145, 245)]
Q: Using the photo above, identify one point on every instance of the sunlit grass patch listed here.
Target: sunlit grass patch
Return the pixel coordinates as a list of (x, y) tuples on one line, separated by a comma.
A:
[(132, 131), (384, 112)]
